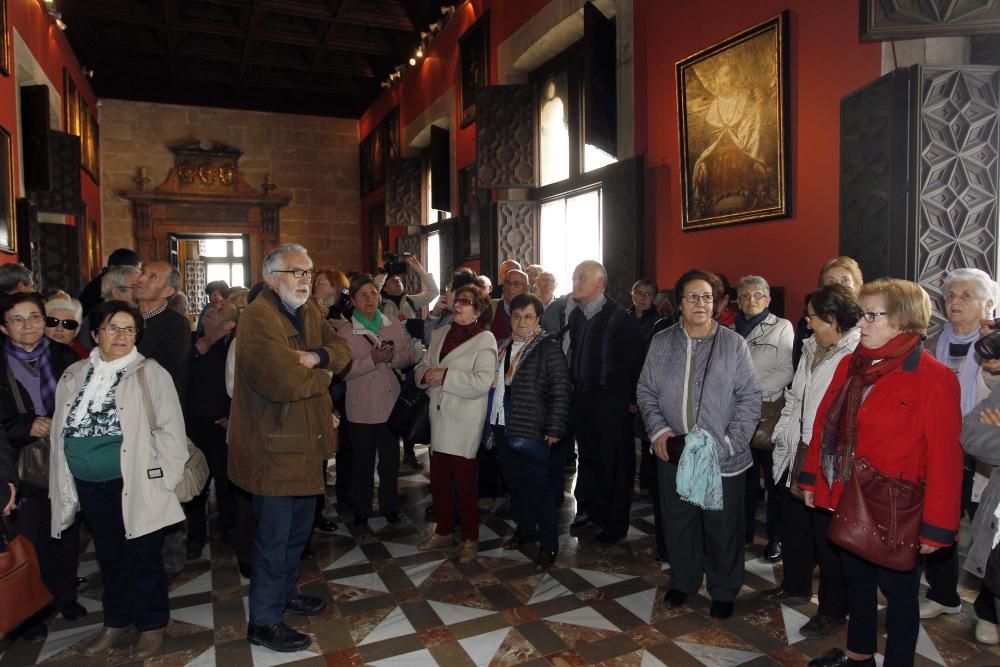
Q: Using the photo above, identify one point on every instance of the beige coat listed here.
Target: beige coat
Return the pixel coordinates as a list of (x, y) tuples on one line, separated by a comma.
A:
[(458, 407), (147, 504)]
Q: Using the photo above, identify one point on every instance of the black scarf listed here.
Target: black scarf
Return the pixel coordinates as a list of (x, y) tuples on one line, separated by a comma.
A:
[(745, 326)]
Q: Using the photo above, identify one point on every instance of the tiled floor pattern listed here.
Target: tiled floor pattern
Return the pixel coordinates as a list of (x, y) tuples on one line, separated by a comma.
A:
[(392, 605)]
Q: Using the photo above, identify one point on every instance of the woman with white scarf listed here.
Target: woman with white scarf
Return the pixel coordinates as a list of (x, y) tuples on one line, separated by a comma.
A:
[(118, 464), (970, 298)]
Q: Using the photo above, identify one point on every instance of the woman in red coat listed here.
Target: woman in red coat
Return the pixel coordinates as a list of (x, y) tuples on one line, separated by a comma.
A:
[(894, 404)]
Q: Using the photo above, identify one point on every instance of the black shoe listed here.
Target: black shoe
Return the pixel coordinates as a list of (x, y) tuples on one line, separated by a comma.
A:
[(609, 539), (360, 520), (582, 519), (546, 559), (194, 549), (393, 517), (410, 459), (837, 658), (721, 609), (516, 541), (36, 632), (429, 513), (772, 553), (778, 594), (307, 554), (277, 637), (72, 610), (245, 569), (305, 605), (820, 626), (324, 525), (675, 598)]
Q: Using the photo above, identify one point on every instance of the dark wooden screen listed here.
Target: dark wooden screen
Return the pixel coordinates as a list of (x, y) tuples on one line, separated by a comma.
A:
[(914, 19), (402, 192), (517, 231), (505, 136), (600, 95), (64, 166), (621, 225), (440, 169)]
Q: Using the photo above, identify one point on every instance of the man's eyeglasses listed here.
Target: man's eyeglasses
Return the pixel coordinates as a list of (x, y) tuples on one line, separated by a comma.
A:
[(871, 315), (113, 330), (695, 298), (68, 325), (756, 296), (18, 321), (298, 274)]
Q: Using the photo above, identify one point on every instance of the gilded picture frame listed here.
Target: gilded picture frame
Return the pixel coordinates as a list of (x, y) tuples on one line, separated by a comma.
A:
[(4, 40), (8, 211), (732, 107)]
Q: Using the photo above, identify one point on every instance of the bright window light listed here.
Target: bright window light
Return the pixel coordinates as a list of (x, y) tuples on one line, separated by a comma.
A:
[(570, 231)]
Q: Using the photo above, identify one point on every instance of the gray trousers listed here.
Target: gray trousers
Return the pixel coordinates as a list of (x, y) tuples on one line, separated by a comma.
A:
[(704, 543)]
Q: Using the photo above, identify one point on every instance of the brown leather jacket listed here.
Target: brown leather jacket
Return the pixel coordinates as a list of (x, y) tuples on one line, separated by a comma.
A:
[(280, 424)]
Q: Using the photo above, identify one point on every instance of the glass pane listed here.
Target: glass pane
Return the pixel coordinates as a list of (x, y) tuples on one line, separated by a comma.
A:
[(237, 272), (215, 248), (237, 247), (218, 272), (434, 258), (553, 129), (570, 232), (595, 158)]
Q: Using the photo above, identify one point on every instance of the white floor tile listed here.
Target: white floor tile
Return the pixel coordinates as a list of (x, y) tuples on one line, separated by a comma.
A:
[(482, 648), (200, 584), (718, 656), (421, 658), (353, 557), (585, 616), (418, 573), (396, 624), (640, 604), (598, 579), (549, 589), (371, 581), (456, 613), (201, 615)]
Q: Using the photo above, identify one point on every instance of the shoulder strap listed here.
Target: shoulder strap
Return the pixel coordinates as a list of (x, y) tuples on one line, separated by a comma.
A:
[(15, 389), (146, 400), (704, 377)]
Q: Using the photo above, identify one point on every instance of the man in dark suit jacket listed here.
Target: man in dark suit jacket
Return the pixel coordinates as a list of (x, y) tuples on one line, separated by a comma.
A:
[(605, 357)]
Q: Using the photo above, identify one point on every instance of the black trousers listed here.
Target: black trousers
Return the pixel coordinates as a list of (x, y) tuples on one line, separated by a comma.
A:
[(762, 468), (704, 543), (532, 501), (210, 438), (246, 525), (558, 456), (606, 473), (135, 581), (367, 440), (649, 479), (490, 483), (942, 568), (58, 559), (901, 591), (344, 458), (805, 545)]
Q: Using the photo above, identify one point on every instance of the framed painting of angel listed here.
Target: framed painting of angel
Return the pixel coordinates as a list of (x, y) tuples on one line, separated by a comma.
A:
[(732, 111)]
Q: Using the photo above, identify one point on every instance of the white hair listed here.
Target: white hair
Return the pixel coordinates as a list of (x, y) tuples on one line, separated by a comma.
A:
[(986, 287), (273, 257), (753, 281), (64, 304)]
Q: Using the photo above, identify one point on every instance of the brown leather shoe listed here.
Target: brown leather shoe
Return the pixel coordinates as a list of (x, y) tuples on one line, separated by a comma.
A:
[(148, 644), (103, 641), (469, 550), (436, 541)]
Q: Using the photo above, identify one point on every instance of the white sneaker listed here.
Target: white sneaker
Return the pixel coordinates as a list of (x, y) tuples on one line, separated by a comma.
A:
[(986, 633), (932, 609)]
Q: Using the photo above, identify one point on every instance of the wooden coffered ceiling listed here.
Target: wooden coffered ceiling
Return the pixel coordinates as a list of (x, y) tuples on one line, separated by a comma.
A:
[(320, 57)]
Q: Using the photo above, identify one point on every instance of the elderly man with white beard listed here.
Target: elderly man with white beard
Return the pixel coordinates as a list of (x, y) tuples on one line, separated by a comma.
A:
[(281, 430)]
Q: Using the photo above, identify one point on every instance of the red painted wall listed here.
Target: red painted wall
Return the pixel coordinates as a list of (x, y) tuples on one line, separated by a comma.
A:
[(51, 49), (826, 62)]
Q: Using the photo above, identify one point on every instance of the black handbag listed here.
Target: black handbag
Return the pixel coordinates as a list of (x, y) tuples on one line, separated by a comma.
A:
[(410, 417), (33, 459)]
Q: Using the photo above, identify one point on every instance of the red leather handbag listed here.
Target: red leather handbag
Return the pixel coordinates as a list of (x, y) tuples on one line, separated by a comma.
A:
[(21, 586), (878, 518)]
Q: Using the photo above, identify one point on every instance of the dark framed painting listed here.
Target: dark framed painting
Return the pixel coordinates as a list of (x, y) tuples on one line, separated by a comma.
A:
[(378, 235), (474, 64), (4, 40), (732, 102), (475, 208), (380, 146), (8, 219)]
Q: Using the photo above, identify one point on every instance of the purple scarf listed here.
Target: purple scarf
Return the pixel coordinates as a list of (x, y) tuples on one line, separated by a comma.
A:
[(41, 389)]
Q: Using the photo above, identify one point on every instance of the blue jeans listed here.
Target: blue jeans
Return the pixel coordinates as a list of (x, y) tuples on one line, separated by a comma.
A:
[(135, 582), (284, 524)]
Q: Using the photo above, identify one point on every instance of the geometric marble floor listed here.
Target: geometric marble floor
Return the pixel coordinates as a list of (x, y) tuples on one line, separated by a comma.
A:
[(391, 605)]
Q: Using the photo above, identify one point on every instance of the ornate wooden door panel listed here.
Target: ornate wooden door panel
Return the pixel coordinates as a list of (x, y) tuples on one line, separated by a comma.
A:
[(621, 226), (64, 170), (914, 19), (505, 137), (517, 231), (410, 243), (402, 192)]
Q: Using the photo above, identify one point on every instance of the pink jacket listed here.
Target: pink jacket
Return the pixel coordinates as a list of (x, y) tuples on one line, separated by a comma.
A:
[(371, 389)]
